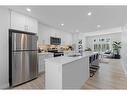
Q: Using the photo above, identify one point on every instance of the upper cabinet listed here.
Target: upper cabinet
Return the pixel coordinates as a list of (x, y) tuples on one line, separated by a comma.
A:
[(32, 25), (45, 32), (66, 38), (17, 21), (23, 22)]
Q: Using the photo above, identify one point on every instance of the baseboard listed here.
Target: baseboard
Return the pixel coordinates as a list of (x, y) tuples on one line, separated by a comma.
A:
[(4, 86)]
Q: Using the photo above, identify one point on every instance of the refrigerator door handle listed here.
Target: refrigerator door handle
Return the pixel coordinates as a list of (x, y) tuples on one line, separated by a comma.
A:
[(14, 42)]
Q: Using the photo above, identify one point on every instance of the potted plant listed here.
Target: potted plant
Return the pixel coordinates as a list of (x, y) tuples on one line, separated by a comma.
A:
[(116, 49)]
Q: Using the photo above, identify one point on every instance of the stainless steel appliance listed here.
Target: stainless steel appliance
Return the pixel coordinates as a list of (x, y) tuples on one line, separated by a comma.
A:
[(23, 64), (56, 53), (55, 41)]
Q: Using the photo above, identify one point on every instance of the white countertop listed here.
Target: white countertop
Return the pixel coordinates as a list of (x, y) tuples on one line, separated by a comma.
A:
[(42, 53), (67, 59)]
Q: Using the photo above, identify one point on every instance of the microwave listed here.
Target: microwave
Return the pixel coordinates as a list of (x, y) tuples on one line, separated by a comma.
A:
[(55, 41)]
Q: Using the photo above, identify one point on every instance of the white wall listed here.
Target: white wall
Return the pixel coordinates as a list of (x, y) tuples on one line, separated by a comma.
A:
[(124, 48), (76, 36), (4, 25), (45, 31)]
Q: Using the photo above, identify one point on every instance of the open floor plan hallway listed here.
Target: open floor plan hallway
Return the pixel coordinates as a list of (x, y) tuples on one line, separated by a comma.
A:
[(110, 76)]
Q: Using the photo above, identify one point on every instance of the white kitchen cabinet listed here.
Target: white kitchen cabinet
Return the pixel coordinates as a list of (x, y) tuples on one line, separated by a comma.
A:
[(41, 62), (23, 22), (18, 21), (66, 39), (32, 24), (45, 32)]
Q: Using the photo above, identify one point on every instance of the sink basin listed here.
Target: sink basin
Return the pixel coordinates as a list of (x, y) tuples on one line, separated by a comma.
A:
[(74, 55)]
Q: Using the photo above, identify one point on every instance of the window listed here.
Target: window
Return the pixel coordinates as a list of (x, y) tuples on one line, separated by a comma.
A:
[(101, 47), (102, 44)]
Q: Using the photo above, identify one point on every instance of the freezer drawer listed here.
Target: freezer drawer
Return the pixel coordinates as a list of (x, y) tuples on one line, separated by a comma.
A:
[(24, 66)]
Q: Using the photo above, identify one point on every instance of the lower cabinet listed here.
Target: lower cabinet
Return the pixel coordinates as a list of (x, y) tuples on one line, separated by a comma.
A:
[(41, 62)]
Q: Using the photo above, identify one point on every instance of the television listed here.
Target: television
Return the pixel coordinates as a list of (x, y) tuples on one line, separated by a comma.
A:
[(55, 41)]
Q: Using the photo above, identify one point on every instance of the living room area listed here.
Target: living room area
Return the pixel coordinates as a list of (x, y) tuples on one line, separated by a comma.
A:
[(111, 74), (106, 42)]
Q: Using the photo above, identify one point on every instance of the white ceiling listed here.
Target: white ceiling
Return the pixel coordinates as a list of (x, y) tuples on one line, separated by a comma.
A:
[(75, 18)]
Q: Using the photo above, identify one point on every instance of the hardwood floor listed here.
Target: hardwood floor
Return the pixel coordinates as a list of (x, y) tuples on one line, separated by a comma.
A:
[(109, 76), (34, 84)]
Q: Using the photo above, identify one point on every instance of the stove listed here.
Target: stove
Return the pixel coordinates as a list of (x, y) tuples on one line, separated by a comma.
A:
[(56, 53)]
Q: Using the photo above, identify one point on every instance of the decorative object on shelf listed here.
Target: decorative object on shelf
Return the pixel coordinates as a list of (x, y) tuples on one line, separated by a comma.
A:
[(80, 47), (94, 40), (70, 47), (80, 42), (39, 50), (116, 49), (101, 39), (107, 39), (88, 49)]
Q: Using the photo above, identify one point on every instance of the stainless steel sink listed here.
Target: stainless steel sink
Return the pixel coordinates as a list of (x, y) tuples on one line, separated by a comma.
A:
[(73, 55)]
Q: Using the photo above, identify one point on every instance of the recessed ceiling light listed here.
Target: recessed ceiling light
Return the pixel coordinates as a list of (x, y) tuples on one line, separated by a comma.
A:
[(62, 24), (89, 13), (28, 9), (77, 30), (98, 26)]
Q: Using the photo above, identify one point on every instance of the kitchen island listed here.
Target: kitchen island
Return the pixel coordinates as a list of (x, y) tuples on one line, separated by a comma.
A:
[(67, 72)]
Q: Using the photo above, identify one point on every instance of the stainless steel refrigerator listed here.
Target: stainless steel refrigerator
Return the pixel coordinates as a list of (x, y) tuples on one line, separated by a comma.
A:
[(23, 64)]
